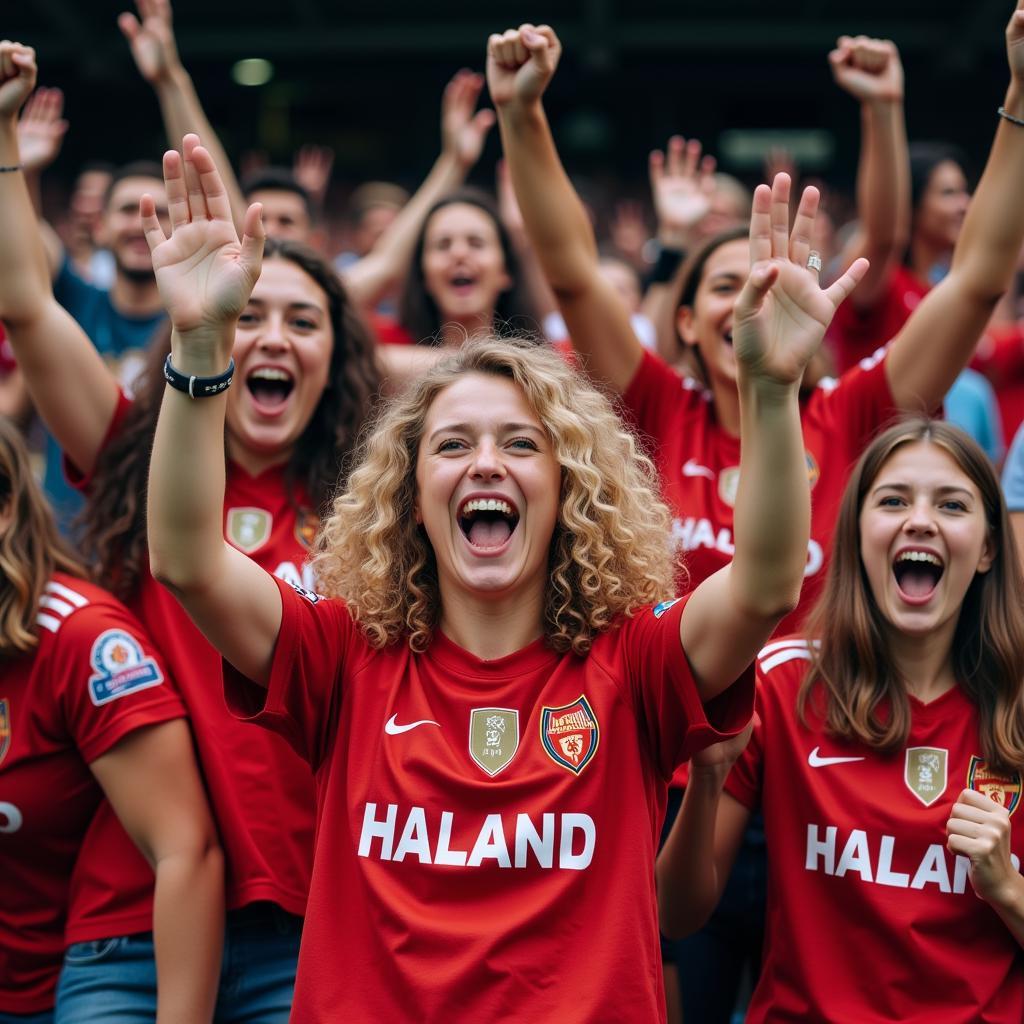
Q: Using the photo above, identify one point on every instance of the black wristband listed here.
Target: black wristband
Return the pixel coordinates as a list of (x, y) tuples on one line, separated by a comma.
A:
[(665, 265), (198, 387)]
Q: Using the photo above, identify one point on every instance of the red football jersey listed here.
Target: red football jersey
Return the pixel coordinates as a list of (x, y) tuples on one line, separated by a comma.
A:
[(854, 334), (93, 679), (699, 462), (260, 792), (487, 829), (870, 919)]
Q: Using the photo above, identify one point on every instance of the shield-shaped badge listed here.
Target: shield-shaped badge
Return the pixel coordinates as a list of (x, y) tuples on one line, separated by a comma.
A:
[(924, 772), (1003, 789), (5, 728), (729, 484), (248, 529), (570, 734), (493, 737), (306, 524)]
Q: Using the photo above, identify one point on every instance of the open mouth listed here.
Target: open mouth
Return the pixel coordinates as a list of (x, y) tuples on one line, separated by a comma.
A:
[(488, 522), (917, 574), (270, 387), (462, 282)]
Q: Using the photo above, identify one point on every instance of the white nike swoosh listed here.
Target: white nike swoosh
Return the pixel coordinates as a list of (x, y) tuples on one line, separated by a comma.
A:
[(392, 728), (691, 467), (815, 761)]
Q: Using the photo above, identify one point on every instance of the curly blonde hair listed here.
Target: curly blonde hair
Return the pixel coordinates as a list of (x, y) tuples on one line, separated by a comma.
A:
[(610, 552)]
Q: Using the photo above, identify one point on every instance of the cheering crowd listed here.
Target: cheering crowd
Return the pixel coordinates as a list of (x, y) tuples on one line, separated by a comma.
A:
[(489, 623)]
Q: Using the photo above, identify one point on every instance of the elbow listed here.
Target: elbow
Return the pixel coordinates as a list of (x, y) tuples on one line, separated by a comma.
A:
[(677, 922), (177, 575)]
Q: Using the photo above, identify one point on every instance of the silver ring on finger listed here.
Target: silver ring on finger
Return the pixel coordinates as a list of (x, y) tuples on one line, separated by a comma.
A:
[(814, 261)]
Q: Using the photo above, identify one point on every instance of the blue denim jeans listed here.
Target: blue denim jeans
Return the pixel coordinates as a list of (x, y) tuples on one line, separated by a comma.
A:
[(113, 981), (44, 1017)]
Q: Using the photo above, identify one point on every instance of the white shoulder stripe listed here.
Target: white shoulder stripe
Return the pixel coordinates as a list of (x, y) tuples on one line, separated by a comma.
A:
[(783, 656), (780, 645), (67, 593), (48, 622), (55, 604)]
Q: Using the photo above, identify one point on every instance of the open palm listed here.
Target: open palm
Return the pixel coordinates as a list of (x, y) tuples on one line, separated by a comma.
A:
[(205, 275), (782, 312)]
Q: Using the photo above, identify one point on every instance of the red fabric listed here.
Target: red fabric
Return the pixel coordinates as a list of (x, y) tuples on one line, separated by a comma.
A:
[(1000, 357), (854, 334), (870, 918), (260, 792), (389, 331), (57, 715), (426, 886)]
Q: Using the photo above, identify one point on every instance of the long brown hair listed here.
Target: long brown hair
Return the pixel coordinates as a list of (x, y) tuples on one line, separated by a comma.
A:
[(31, 549), (864, 697), (114, 519)]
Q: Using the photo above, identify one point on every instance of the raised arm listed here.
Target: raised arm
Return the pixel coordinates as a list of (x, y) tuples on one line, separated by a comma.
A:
[(205, 276), (871, 72), (779, 322), (152, 782), (155, 52), (463, 134), (937, 341), (520, 63), (72, 389)]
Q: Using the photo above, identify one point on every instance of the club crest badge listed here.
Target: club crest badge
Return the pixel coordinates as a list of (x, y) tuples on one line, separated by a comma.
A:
[(1002, 789), (493, 737), (306, 525), (119, 667), (248, 529), (5, 729), (570, 734), (924, 772), (729, 484), (659, 609), (813, 472)]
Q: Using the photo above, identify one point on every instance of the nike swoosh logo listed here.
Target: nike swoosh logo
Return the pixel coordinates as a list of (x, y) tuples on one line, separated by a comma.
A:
[(691, 467), (392, 728), (816, 761)]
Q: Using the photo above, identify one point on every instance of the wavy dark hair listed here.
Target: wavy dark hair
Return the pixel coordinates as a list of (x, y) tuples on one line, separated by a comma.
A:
[(514, 314), (862, 696), (113, 523), (31, 549)]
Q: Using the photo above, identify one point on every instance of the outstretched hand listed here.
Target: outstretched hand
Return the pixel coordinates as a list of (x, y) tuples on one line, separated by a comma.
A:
[(152, 39), (520, 63), (1015, 44), (41, 130), (205, 275), (782, 312), (17, 76), (868, 69), (682, 184), (463, 133)]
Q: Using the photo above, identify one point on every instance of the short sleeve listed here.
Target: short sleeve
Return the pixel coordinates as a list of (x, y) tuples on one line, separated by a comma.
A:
[(665, 693), (744, 781), (652, 399), (317, 646), (110, 678), (80, 481), (1013, 473)]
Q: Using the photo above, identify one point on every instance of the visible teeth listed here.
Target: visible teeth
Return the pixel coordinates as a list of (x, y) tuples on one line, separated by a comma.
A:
[(268, 373), (488, 505), (919, 556)]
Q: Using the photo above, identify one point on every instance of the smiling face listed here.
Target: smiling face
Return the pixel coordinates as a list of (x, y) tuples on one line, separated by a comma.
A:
[(121, 227), (282, 352), (923, 537), (488, 490), (707, 323), (463, 264)]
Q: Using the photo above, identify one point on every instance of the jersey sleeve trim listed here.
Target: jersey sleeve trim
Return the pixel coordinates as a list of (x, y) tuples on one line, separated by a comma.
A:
[(82, 481), (169, 709)]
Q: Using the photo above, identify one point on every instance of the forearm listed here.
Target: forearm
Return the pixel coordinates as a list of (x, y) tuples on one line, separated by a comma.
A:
[(182, 113), (24, 272), (1009, 905), (388, 262), (188, 933), (554, 217), (187, 477), (771, 522), (689, 885)]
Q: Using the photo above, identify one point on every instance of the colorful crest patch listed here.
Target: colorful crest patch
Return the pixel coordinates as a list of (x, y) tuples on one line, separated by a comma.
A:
[(1002, 789), (813, 472), (5, 728), (248, 529), (306, 525), (729, 484), (120, 667), (493, 737), (924, 772), (660, 609), (570, 734)]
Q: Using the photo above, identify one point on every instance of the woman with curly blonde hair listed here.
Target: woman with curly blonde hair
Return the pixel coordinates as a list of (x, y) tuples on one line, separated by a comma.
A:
[(491, 704)]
